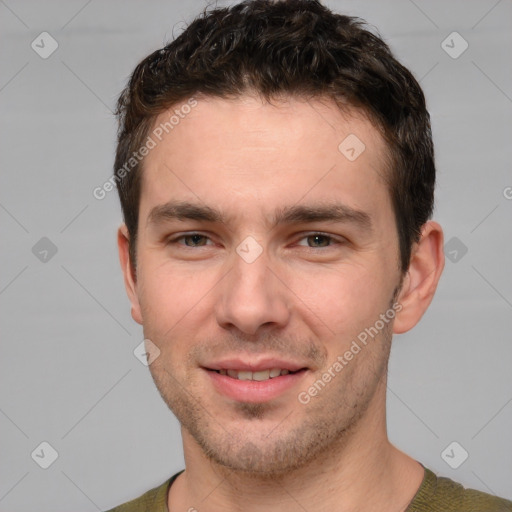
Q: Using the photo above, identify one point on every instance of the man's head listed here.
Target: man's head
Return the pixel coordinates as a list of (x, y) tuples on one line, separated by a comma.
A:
[(279, 223), (280, 49)]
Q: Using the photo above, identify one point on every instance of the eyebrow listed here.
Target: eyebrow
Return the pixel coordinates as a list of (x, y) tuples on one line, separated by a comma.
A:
[(183, 211), (323, 213), (296, 214)]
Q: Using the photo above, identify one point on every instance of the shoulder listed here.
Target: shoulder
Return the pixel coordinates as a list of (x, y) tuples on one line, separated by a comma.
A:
[(443, 494), (154, 500)]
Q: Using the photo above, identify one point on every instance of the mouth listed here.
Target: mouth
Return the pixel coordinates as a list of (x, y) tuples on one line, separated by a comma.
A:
[(258, 376), (255, 385)]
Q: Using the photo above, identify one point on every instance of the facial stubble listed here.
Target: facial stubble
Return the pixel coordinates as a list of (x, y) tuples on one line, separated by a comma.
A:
[(305, 433)]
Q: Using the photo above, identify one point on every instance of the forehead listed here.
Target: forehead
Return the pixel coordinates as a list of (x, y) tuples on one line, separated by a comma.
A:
[(243, 152)]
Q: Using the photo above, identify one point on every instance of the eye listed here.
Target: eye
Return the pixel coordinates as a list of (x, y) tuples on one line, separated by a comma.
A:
[(316, 240), (192, 240)]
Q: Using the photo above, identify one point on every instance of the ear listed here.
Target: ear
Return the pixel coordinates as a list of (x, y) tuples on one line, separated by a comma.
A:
[(130, 278), (420, 281)]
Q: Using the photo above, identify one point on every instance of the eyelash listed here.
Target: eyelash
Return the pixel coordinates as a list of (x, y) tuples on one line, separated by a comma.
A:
[(332, 240), (176, 240)]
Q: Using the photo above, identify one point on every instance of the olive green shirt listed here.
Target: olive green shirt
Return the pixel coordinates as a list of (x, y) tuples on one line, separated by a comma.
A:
[(436, 494)]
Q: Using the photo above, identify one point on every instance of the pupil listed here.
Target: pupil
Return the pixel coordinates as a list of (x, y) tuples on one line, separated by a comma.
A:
[(196, 240), (319, 240)]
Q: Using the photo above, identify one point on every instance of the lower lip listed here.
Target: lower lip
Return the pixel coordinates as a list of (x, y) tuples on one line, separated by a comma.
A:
[(252, 390)]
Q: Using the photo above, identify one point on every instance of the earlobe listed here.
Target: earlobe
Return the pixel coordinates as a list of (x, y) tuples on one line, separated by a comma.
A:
[(422, 277), (130, 279)]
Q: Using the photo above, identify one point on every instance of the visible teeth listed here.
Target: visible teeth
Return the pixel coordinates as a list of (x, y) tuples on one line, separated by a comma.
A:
[(275, 372), (258, 376), (263, 375)]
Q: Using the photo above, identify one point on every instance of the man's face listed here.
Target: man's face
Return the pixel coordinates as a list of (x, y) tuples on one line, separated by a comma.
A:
[(261, 246)]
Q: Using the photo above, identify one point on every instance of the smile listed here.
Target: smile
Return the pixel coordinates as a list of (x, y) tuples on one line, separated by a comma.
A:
[(255, 386), (258, 376)]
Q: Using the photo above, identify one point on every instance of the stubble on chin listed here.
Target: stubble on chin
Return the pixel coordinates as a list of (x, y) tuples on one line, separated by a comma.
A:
[(309, 432)]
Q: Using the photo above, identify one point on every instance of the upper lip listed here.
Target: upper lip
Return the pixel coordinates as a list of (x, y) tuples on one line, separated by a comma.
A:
[(255, 365)]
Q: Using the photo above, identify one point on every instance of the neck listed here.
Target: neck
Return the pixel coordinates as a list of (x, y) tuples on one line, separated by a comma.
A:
[(363, 471)]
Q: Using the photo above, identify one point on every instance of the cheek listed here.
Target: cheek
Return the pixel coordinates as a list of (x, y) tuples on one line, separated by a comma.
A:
[(170, 295), (170, 304), (343, 301)]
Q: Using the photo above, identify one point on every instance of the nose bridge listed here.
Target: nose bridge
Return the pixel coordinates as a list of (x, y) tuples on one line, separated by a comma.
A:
[(250, 296)]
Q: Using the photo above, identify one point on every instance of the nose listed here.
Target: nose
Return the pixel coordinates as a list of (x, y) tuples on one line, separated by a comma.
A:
[(251, 298)]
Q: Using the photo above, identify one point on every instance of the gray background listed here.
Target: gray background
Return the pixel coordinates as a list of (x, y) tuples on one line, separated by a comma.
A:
[(68, 373)]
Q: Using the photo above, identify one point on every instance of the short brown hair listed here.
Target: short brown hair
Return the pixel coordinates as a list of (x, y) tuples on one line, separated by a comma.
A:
[(279, 48)]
